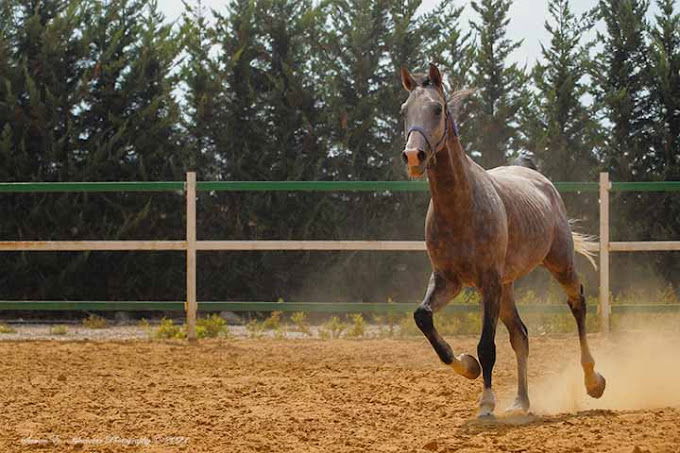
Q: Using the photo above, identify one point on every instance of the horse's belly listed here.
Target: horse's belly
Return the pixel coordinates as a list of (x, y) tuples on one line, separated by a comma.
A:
[(522, 260)]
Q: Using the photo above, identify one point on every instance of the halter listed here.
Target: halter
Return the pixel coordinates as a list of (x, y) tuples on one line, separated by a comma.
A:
[(434, 150)]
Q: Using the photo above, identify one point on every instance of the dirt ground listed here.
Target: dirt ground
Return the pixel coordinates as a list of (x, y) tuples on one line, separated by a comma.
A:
[(333, 396)]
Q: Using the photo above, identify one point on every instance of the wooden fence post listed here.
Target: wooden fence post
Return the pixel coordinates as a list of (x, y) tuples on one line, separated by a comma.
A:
[(605, 186), (191, 306)]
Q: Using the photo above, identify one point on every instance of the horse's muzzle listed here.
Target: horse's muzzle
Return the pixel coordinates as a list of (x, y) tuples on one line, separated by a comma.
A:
[(414, 160)]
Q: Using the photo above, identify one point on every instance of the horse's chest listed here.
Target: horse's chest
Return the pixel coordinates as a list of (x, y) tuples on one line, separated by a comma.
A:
[(452, 255)]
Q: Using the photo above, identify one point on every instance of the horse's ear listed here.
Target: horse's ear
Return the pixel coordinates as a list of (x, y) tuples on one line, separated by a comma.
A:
[(435, 76), (407, 80)]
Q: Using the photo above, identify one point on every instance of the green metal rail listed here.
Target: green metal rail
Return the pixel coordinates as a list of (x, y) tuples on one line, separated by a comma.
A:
[(137, 186), (295, 186), (298, 186)]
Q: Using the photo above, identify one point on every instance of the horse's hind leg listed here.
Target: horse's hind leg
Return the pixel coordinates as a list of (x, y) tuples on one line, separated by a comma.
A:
[(520, 344), (439, 292), (566, 276)]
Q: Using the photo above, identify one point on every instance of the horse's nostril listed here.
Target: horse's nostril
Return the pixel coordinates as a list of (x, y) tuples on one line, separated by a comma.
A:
[(421, 156), (404, 157)]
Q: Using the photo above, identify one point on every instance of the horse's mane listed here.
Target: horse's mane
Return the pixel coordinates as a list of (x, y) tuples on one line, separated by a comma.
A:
[(457, 97), (454, 99)]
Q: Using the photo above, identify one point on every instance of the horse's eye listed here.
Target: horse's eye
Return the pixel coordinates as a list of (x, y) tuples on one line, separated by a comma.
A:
[(438, 110)]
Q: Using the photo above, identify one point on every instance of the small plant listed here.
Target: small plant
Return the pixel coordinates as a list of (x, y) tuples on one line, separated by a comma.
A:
[(255, 328), (324, 334), (95, 322), (280, 332), (667, 295), (273, 322), (358, 327), (300, 321), (332, 328), (143, 324), (211, 327), (167, 329), (407, 326), (59, 329), (6, 328), (391, 318)]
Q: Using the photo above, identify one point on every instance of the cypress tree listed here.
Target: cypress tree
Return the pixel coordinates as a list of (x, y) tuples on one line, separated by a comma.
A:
[(620, 84), (658, 213), (204, 91), (665, 91), (446, 44), (356, 76), (89, 89), (492, 134), (560, 130)]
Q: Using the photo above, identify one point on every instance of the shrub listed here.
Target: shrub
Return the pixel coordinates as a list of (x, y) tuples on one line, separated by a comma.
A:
[(59, 329), (211, 326), (300, 321), (167, 329), (6, 328), (255, 328), (407, 326), (273, 322), (358, 327), (95, 322), (332, 328)]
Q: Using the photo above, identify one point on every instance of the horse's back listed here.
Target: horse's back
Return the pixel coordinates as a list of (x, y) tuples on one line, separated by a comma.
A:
[(534, 211)]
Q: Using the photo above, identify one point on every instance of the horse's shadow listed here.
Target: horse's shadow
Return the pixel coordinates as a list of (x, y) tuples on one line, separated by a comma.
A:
[(505, 423)]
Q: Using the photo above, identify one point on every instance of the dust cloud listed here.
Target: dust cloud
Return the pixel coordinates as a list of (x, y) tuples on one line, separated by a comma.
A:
[(642, 368)]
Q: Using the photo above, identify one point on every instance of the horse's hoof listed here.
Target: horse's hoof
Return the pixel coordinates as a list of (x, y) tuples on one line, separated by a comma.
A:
[(467, 366), (487, 404), (519, 407), (595, 384)]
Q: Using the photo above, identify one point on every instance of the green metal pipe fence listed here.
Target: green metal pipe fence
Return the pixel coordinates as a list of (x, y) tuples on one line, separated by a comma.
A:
[(181, 187)]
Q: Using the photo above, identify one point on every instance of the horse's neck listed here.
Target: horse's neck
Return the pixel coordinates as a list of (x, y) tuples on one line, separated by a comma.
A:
[(451, 180)]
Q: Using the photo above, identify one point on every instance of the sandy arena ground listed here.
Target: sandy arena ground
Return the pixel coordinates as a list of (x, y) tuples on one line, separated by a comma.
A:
[(334, 396)]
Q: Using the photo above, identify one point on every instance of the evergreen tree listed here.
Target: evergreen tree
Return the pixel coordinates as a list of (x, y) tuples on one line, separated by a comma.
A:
[(241, 142), (128, 124), (446, 44), (665, 92), (502, 88), (658, 213), (560, 130), (621, 86), (89, 88), (290, 90), (354, 49), (204, 91), (39, 87)]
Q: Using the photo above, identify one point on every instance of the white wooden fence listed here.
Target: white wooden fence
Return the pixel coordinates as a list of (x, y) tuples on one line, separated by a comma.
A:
[(191, 245)]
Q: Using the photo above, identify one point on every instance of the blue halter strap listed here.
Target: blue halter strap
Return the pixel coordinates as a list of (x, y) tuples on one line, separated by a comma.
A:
[(419, 129)]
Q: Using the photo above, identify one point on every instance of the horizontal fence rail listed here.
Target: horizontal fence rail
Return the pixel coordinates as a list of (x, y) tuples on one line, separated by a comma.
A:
[(307, 307), (386, 246), (298, 186), (190, 245)]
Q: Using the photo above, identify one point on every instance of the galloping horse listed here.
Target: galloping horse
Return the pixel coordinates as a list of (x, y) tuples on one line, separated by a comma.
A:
[(486, 229)]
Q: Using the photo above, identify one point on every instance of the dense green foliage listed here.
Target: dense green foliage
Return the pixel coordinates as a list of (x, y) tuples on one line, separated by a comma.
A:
[(94, 90)]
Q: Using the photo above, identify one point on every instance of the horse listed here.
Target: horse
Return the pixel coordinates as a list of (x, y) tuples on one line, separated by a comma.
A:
[(485, 229)]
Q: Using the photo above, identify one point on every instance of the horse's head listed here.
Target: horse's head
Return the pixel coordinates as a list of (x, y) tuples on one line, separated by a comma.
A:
[(426, 119)]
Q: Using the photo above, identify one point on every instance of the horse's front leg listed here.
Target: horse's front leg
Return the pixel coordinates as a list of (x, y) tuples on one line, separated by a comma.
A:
[(486, 349), (440, 291)]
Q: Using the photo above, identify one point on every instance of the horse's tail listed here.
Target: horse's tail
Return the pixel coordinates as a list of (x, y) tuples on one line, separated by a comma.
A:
[(585, 244)]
